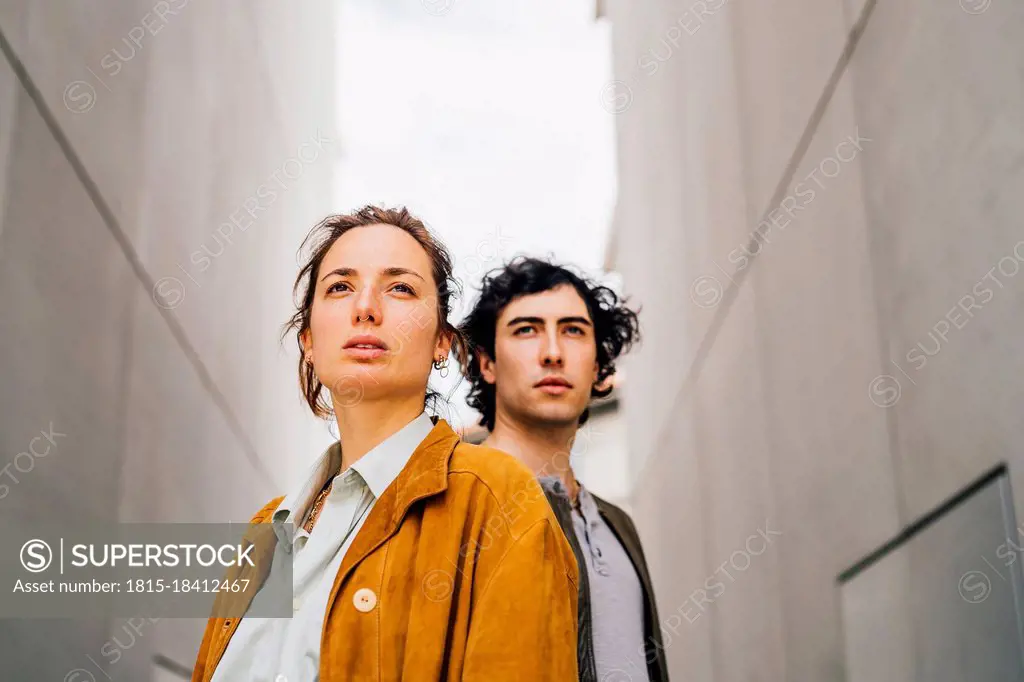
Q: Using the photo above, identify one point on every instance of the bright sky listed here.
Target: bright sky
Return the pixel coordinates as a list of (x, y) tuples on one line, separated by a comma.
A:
[(485, 119)]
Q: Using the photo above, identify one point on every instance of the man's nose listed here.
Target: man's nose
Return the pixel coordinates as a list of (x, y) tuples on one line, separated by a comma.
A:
[(552, 352)]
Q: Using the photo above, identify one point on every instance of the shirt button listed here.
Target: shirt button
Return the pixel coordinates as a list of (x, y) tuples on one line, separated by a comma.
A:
[(364, 599)]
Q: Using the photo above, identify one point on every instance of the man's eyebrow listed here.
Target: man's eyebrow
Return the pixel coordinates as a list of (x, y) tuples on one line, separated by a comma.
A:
[(524, 319), (387, 272)]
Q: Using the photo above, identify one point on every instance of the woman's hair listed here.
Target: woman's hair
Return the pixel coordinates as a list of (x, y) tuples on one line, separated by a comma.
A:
[(316, 245), (616, 327)]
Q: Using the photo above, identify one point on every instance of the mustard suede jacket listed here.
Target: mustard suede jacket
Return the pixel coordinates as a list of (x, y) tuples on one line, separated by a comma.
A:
[(473, 577)]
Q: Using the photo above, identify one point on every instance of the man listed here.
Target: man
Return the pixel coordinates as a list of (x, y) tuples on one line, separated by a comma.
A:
[(544, 341)]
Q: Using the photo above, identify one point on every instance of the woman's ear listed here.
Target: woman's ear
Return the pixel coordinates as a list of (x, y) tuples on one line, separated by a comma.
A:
[(444, 345), (306, 340)]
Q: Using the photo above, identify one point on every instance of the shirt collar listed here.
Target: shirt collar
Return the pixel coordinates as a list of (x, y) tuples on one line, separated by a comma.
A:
[(293, 507), (379, 467), (588, 507)]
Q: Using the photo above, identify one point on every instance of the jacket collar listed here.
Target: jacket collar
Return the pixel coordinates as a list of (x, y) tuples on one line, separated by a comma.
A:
[(381, 465), (378, 468), (424, 475)]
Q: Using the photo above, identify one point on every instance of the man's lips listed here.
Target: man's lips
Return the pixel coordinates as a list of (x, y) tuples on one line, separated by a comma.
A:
[(553, 381), (553, 385)]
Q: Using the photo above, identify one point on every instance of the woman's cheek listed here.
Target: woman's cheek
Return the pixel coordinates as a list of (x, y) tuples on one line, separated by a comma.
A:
[(413, 329), (330, 322)]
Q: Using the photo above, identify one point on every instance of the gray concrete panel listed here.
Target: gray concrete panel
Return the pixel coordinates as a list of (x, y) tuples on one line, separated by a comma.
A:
[(64, 293), (935, 86)]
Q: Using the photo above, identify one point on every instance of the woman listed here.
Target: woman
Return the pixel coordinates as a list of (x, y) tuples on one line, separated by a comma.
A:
[(416, 556)]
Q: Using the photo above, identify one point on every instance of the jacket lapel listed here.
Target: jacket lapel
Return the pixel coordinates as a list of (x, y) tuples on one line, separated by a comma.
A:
[(231, 606), (425, 474)]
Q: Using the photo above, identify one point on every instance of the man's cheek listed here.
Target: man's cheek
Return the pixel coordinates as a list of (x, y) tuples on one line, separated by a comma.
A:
[(581, 371), (584, 397)]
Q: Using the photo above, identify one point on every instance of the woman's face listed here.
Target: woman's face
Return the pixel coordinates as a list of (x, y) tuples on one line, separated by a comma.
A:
[(374, 320)]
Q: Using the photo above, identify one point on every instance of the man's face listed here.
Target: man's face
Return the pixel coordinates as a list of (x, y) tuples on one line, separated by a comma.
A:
[(545, 358)]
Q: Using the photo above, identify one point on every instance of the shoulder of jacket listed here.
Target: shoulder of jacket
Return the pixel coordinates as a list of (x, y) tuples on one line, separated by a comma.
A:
[(491, 466), (267, 510), (495, 473)]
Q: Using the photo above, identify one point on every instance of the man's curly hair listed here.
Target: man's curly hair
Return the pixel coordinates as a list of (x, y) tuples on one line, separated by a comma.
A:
[(616, 327)]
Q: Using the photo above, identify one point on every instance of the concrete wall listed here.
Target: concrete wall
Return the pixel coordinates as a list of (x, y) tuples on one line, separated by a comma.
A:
[(808, 192), (135, 319)]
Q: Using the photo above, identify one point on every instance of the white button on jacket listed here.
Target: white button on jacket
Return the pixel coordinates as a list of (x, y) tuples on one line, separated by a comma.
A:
[(264, 649), (364, 599)]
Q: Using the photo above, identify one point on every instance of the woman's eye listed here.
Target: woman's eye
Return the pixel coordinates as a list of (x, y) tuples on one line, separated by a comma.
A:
[(573, 329), (522, 330), (337, 286), (403, 288)]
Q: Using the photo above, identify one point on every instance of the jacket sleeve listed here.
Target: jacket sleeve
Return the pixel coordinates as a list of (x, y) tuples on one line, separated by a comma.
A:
[(524, 622), (214, 624), (199, 671)]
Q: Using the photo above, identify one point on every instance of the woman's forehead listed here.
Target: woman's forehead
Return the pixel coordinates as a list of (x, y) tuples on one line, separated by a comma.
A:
[(375, 249)]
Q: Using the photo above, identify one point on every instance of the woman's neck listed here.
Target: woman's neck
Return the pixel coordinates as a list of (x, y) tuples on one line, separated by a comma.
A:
[(364, 426)]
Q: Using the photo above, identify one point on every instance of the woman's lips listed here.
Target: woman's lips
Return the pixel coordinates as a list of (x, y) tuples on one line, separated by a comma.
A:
[(365, 351), (365, 347)]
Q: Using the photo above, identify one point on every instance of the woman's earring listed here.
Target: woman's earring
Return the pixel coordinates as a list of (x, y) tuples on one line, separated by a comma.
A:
[(441, 364)]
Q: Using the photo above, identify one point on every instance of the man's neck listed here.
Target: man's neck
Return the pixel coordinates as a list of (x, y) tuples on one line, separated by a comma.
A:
[(543, 448)]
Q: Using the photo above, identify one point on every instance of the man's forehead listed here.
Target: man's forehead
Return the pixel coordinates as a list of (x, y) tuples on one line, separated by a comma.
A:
[(562, 301)]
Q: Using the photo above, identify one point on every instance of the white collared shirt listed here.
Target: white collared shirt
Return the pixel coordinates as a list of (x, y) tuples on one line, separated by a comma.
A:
[(288, 650)]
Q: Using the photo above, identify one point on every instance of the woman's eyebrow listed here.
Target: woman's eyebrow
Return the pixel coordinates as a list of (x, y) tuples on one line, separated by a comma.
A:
[(393, 271), (342, 272), (398, 272)]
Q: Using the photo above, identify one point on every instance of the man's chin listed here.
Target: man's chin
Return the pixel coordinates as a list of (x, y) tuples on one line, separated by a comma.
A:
[(554, 415)]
